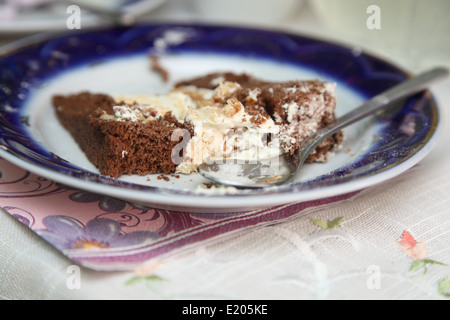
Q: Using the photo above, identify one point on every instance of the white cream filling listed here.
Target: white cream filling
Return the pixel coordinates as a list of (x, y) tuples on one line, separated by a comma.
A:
[(220, 134), (222, 127), (150, 107)]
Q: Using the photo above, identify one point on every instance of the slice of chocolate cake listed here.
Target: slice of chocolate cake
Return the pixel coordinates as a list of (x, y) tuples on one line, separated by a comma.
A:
[(209, 118), (118, 147)]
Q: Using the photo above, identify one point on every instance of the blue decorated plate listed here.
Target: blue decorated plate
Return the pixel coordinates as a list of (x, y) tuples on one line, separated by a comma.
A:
[(116, 60)]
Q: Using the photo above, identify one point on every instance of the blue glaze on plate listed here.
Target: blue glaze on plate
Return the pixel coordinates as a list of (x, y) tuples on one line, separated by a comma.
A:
[(406, 129)]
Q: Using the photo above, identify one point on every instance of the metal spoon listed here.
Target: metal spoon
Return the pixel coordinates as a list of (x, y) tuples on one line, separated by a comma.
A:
[(261, 173)]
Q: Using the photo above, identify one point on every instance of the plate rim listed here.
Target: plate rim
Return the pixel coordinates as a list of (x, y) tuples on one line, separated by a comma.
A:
[(189, 201)]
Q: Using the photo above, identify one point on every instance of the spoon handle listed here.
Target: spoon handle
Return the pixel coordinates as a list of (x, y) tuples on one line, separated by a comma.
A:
[(403, 90)]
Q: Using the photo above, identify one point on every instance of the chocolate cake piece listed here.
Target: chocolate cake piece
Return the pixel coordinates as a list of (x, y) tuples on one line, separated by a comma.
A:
[(299, 107), (216, 116), (118, 147)]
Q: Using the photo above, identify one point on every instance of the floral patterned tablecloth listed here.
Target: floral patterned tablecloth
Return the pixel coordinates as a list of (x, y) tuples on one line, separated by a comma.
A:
[(390, 241)]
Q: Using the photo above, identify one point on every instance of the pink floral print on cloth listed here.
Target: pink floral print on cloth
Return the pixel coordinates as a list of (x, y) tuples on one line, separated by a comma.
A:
[(419, 253)]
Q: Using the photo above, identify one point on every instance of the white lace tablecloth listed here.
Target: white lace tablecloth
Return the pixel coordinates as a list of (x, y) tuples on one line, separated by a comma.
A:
[(390, 241)]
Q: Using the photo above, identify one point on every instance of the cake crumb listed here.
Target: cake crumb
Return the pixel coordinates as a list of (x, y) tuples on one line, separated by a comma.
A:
[(163, 177), (157, 67)]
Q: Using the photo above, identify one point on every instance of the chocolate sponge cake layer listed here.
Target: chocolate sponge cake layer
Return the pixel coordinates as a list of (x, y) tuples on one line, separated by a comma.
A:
[(115, 147)]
